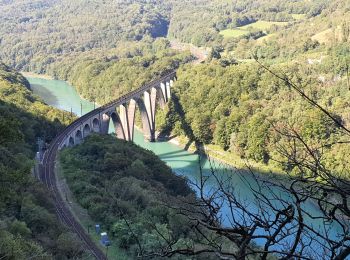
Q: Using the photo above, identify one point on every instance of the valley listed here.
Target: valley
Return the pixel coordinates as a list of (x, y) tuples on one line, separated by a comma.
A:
[(250, 101)]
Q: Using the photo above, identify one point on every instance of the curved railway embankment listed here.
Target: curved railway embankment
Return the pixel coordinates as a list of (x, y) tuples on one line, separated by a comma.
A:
[(47, 173)]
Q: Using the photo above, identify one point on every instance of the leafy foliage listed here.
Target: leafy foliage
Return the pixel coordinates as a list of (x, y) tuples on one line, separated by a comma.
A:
[(238, 107), (129, 190), (105, 79), (62, 30), (28, 225)]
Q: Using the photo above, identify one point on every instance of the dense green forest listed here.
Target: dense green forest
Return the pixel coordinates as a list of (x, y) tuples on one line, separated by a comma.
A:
[(242, 118), (133, 195), (36, 34), (240, 100), (105, 79), (29, 228), (230, 100), (60, 28)]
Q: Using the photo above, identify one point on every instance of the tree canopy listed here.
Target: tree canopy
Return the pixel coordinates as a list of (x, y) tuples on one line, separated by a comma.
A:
[(29, 227)]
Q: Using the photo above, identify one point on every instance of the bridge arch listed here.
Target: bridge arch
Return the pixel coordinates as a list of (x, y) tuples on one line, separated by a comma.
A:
[(78, 137), (163, 90), (147, 100), (104, 124), (146, 120), (86, 130), (118, 127), (161, 100), (71, 141), (96, 125)]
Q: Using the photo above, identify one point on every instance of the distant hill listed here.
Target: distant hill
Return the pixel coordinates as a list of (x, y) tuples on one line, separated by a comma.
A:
[(35, 34), (42, 31)]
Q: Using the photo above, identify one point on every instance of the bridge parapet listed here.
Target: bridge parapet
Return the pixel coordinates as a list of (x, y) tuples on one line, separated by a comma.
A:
[(122, 113)]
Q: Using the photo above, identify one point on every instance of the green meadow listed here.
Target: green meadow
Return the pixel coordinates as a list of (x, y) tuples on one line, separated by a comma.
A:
[(299, 16), (243, 30), (233, 33), (263, 25)]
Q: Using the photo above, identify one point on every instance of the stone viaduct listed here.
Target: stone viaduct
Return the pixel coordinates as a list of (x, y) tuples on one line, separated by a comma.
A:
[(122, 113)]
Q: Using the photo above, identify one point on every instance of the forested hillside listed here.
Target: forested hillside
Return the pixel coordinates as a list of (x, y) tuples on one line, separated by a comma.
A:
[(229, 101), (29, 228), (233, 101), (274, 91), (135, 196), (243, 118), (202, 21), (132, 64), (35, 34)]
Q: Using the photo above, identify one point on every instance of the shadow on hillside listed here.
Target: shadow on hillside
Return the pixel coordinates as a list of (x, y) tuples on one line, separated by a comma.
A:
[(28, 124), (177, 113), (44, 94)]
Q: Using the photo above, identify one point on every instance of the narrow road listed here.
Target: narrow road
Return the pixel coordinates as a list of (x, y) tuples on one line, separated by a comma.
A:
[(200, 53)]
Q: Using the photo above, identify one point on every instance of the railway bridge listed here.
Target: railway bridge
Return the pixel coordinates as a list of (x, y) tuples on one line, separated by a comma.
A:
[(122, 114)]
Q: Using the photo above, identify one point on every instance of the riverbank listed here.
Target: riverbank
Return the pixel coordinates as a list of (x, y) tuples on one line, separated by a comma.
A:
[(214, 152), (31, 75), (231, 160), (226, 158), (35, 75)]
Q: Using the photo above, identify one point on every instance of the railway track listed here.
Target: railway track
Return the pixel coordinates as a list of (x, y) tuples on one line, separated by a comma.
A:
[(63, 212), (48, 177)]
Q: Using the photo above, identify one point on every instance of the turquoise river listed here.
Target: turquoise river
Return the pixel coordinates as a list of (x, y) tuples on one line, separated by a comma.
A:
[(63, 96)]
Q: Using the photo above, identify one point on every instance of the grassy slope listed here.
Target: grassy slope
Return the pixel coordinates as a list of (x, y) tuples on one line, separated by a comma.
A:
[(244, 30), (233, 33), (263, 25)]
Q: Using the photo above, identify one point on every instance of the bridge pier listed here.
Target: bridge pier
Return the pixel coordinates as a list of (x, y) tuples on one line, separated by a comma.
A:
[(149, 100), (104, 124), (123, 114), (118, 127), (127, 119), (131, 118), (168, 93), (148, 132), (163, 87)]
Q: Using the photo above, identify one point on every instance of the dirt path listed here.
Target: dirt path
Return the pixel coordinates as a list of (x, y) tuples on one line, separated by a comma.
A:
[(200, 53)]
